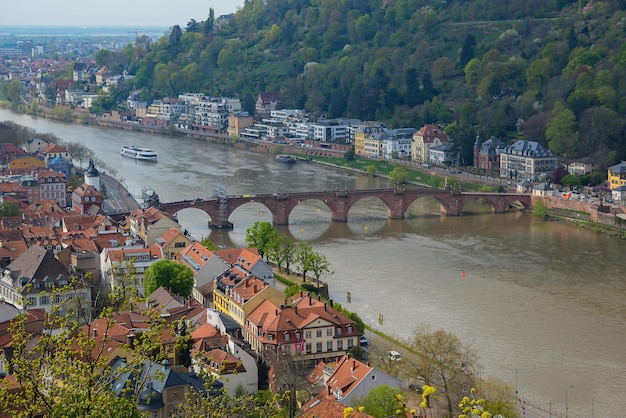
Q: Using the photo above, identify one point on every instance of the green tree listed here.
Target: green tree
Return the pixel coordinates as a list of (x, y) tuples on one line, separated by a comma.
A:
[(63, 372), (171, 275), (365, 27), (380, 402), (9, 209), (561, 131), (445, 363), (15, 89), (371, 170), (467, 50), (210, 22), (571, 180), (304, 253), (538, 73), (319, 265), (349, 155), (175, 36), (283, 251), (398, 176), (261, 236), (192, 26)]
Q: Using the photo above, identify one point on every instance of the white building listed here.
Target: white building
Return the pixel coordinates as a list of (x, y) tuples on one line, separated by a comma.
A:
[(526, 160), (215, 111)]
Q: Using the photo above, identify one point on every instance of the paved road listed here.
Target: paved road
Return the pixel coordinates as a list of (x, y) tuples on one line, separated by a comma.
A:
[(118, 200)]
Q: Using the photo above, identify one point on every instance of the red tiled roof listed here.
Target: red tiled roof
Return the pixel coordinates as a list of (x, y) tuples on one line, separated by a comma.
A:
[(327, 408)]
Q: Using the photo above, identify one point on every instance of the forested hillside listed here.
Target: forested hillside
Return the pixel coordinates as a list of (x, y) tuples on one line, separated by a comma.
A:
[(549, 71)]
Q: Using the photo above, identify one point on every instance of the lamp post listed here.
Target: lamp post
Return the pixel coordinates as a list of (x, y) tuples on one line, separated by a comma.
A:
[(566, 404), (550, 405)]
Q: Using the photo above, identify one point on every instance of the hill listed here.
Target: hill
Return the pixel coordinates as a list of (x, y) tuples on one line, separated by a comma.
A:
[(548, 71)]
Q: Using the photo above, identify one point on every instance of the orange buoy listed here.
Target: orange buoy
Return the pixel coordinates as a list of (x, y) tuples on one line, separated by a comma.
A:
[(463, 274)]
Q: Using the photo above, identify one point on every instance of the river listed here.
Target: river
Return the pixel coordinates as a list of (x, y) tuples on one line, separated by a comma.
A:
[(544, 303)]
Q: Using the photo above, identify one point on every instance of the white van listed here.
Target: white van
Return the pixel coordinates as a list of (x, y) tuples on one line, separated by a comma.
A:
[(394, 356), (427, 166)]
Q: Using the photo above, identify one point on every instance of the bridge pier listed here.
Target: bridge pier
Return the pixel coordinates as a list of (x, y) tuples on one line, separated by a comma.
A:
[(280, 215), (339, 212), (454, 207), (397, 210)]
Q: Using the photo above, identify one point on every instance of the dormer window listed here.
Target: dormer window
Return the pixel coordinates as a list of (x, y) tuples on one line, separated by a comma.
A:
[(286, 336)]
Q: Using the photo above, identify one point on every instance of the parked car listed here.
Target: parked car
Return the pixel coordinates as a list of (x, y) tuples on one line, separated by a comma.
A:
[(416, 388), (364, 341), (609, 200), (394, 356)]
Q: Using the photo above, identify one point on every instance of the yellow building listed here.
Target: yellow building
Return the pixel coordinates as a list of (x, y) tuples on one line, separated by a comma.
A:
[(360, 136), (423, 140), (617, 175), (26, 163), (237, 122)]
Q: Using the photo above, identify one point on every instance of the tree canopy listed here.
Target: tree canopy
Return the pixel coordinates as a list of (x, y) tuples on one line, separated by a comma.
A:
[(171, 275)]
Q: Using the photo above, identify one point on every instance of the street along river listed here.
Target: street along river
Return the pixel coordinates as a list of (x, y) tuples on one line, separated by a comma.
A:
[(543, 302)]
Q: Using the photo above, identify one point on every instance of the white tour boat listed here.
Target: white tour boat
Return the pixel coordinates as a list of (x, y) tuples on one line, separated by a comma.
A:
[(145, 154)]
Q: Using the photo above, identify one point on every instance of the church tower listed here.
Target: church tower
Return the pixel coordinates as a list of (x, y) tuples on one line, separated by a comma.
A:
[(92, 176)]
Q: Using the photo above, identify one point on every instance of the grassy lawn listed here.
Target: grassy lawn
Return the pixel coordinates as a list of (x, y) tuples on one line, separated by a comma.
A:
[(417, 176)]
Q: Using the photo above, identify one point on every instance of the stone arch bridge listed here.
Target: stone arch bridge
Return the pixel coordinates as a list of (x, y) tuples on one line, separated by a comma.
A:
[(339, 202)]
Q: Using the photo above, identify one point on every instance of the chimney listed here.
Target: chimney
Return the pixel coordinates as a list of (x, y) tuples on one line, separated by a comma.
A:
[(254, 288), (296, 309), (95, 333), (330, 302), (353, 365), (310, 300), (324, 306), (130, 338)]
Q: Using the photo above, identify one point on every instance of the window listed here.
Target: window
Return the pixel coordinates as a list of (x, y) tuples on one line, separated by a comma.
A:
[(349, 329), (270, 337), (338, 330), (318, 347), (318, 333), (32, 301), (307, 334), (329, 345), (308, 348), (329, 332), (339, 344), (286, 336), (44, 300), (350, 343)]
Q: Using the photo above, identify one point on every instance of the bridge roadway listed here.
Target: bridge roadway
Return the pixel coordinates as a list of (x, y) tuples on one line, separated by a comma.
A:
[(339, 202)]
